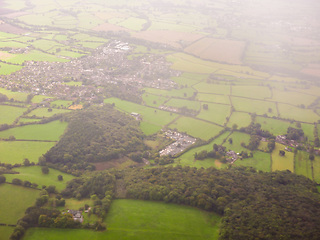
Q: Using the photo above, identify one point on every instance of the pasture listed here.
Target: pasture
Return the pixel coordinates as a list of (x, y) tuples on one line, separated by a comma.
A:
[(240, 119), (44, 112), (220, 89), (181, 93), (7, 69), (17, 96), (260, 161), (256, 92), (274, 126), (302, 164), (216, 113), (254, 106), (45, 132), (16, 151), (28, 120), (292, 97), (180, 103), (61, 104), (9, 114), (196, 128), (5, 232), (316, 169), (299, 114), (39, 98), (153, 100), (34, 174), (20, 199), (189, 79), (282, 162), (237, 139), (213, 98)]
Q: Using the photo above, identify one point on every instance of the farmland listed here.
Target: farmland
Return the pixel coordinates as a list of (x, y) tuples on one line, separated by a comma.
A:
[(9, 114), (282, 162)]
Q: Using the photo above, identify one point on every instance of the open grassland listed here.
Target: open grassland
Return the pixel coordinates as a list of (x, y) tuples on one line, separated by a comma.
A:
[(133, 23), (28, 120), (45, 45), (72, 83), (149, 115), (204, 87), (189, 79), (316, 169), (14, 201), (7, 69), (214, 98), (181, 93), (36, 55), (156, 220), (298, 114), (240, 119), (274, 126), (149, 128), (237, 139), (180, 103), (44, 112), (260, 161), (196, 128), (153, 100), (9, 114), (254, 106), (15, 151), (61, 103), (44, 132), (282, 162), (18, 96), (257, 92), (34, 174), (5, 232), (308, 130), (291, 97), (219, 50), (39, 98), (302, 164), (216, 113)]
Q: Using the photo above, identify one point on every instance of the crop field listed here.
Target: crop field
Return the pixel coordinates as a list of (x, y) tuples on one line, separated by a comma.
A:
[(149, 115), (237, 139), (254, 106), (215, 50), (316, 169), (260, 161), (16, 151), (18, 96), (61, 103), (20, 199), (34, 174), (179, 103), (156, 220), (216, 113), (298, 114), (302, 164), (257, 92), (5, 232), (7, 69), (43, 112), (44, 132), (282, 162), (240, 119), (9, 114), (204, 87), (196, 128), (153, 100), (294, 98), (214, 98), (274, 126), (182, 93)]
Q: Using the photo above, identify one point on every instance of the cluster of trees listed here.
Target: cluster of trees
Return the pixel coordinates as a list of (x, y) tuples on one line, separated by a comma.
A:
[(218, 152), (95, 134), (294, 133)]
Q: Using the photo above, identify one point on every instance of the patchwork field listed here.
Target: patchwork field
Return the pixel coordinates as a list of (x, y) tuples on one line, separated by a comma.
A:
[(237, 139), (18, 96), (274, 126), (216, 113), (214, 98), (34, 174), (257, 92), (20, 199), (180, 103), (44, 112), (260, 161), (17, 151), (156, 220), (282, 162), (240, 119), (9, 114), (254, 106), (299, 114), (292, 97), (302, 164), (153, 100)]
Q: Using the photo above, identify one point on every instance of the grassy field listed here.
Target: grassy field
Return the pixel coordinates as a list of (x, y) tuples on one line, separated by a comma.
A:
[(294, 98), (34, 174), (254, 106), (239, 118), (156, 220), (204, 87), (298, 114), (260, 161), (20, 199), (5, 232), (61, 103), (149, 128), (6, 69), (316, 169), (196, 128), (302, 164), (181, 93), (257, 92), (153, 100), (16, 151), (189, 79), (274, 126), (237, 139), (9, 114), (45, 132), (18, 96), (43, 112), (28, 120), (179, 103), (282, 162), (216, 113), (39, 98), (214, 98), (35, 55)]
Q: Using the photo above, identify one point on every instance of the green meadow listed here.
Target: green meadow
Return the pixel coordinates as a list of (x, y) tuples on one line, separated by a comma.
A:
[(156, 220), (20, 198), (153, 100), (9, 114), (179, 93), (61, 103), (16, 151), (302, 164), (44, 132), (241, 119), (216, 113), (237, 139), (274, 126), (254, 106), (39, 98), (7, 69), (17, 96), (257, 92), (294, 98), (299, 114), (35, 55), (5, 232), (214, 98), (34, 174), (180, 103), (316, 169), (204, 87), (260, 161), (282, 162), (44, 112)]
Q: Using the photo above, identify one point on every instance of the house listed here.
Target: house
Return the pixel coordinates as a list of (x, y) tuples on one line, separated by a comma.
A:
[(77, 215)]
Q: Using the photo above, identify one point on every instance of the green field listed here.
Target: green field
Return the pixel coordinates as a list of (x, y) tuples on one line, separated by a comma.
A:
[(180, 103), (282, 162), (316, 169), (9, 114), (181, 93), (17, 96), (189, 79), (6, 69), (61, 103), (254, 106), (34, 174), (43, 112), (35, 55), (196, 128), (257, 92), (204, 87), (156, 220), (294, 98), (5, 232), (45, 132), (216, 113), (298, 114), (153, 100), (260, 161), (237, 139), (39, 98), (14, 201), (214, 98), (29, 120), (302, 164), (274, 126), (239, 118), (17, 151)]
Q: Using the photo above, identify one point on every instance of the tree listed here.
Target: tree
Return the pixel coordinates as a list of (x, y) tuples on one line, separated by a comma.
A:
[(2, 179), (205, 106), (271, 145), (234, 126), (45, 170), (60, 178), (26, 162), (16, 181), (230, 140), (282, 153)]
